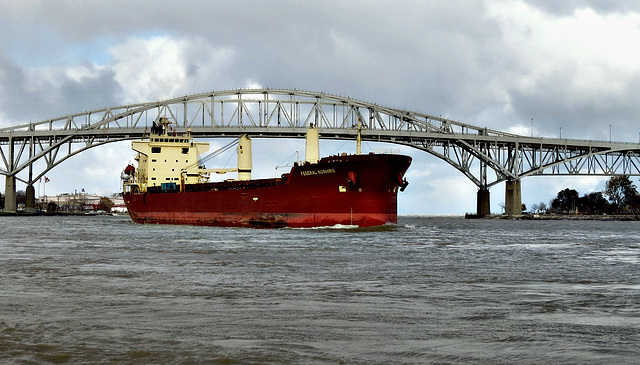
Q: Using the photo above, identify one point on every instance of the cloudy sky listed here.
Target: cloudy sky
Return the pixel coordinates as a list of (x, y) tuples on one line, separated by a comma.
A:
[(573, 65)]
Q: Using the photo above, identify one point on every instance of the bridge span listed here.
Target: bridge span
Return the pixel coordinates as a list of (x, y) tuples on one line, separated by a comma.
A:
[(485, 156)]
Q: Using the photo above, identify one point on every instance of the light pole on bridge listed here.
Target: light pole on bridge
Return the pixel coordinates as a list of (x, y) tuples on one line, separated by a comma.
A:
[(531, 127)]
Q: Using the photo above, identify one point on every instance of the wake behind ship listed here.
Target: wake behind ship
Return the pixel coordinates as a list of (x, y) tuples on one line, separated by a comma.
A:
[(170, 185)]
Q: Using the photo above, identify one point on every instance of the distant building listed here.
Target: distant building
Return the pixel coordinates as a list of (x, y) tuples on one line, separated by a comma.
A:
[(118, 204), (81, 202)]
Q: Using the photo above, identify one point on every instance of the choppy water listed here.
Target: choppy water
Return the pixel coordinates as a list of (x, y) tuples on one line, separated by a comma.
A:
[(430, 291)]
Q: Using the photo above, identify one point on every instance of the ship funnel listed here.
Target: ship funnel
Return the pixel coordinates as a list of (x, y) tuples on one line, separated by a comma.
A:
[(312, 152), (244, 158)]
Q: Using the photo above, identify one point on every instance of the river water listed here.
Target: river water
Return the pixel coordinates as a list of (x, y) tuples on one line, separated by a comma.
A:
[(433, 290)]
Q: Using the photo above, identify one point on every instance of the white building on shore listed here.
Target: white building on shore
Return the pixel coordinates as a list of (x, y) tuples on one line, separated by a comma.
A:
[(80, 202)]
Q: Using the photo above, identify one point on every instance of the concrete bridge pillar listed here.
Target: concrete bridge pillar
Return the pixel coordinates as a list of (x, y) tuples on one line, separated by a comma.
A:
[(512, 198), (10, 194), (30, 205), (483, 207)]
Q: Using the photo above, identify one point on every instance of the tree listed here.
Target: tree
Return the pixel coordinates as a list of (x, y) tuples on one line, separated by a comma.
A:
[(634, 203), (594, 203), (566, 201), (105, 204), (539, 208), (542, 207), (52, 207), (621, 191), (21, 197)]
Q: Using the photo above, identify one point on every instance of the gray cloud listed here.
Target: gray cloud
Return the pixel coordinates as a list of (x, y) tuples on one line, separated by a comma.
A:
[(47, 93), (568, 7)]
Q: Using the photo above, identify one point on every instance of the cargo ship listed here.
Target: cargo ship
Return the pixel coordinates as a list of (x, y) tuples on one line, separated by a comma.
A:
[(171, 185)]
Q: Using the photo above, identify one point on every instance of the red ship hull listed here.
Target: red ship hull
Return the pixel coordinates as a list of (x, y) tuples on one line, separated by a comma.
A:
[(348, 190)]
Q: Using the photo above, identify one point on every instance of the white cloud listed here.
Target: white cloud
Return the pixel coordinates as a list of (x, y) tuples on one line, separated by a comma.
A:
[(250, 84), (581, 58), (81, 73), (149, 69), (37, 80), (162, 67), (441, 194)]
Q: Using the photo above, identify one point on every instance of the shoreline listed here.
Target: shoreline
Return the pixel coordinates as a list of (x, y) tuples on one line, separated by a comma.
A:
[(526, 216), (575, 217), (31, 214)]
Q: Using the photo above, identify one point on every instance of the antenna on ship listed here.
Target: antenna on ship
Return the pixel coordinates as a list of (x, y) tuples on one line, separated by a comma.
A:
[(162, 127), (287, 162)]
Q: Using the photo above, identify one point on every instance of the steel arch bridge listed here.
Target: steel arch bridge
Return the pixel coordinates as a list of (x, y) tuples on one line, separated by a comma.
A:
[(485, 156)]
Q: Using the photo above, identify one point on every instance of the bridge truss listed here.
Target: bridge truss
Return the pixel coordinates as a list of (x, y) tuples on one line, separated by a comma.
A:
[(486, 156)]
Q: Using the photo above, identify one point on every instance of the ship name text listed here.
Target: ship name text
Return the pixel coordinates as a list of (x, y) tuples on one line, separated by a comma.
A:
[(317, 172)]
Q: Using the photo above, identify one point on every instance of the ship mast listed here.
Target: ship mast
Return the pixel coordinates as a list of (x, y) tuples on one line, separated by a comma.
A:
[(312, 151), (244, 158), (359, 138)]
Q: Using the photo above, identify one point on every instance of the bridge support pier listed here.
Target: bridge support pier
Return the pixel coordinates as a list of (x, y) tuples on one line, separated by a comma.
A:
[(10, 194), (483, 207), (512, 198), (30, 205)]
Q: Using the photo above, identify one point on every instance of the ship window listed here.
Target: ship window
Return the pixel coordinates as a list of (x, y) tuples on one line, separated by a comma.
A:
[(155, 149), (168, 178), (153, 178), (154, 160), (185, 150)]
